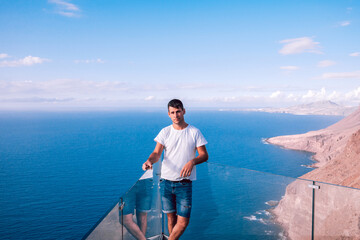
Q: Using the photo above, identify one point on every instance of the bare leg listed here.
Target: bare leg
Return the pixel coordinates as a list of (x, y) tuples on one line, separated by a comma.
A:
[(142, 221), (179, 228), (172, 219), (132, 227)]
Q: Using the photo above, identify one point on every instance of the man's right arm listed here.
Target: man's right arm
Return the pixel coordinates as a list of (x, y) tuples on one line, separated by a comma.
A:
[(154, 157)]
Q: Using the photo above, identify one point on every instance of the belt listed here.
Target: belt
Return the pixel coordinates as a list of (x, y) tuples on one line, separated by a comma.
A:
[(181, 181)]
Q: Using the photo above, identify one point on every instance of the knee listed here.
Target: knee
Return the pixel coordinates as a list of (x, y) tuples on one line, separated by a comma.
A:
[(127, 220), (141, 216), (183, 223), (172, 218)]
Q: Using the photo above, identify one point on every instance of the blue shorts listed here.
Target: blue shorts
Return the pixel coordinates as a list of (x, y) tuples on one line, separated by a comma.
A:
[(176, 197), (139, 197)]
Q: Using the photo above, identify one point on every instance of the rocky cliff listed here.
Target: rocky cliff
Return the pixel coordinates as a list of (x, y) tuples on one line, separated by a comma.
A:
[(326, 143), (337, 209), (344, 169)]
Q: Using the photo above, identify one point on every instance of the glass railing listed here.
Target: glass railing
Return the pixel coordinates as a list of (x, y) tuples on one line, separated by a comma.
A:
[(236, 203)]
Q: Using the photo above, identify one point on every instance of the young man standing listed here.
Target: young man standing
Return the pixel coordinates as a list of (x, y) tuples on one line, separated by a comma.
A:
[(180, 141)]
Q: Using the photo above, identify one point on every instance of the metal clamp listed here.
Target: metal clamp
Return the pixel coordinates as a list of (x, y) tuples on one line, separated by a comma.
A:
[(121, 206), (314, 186)]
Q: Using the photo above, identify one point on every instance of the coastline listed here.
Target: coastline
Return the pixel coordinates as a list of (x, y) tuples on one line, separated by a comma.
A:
[(337, 155), (312, 158)]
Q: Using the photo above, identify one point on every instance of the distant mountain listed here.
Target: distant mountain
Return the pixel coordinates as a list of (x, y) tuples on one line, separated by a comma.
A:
[(315, 108)]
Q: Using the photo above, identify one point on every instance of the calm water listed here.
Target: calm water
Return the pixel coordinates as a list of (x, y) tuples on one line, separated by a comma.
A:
[(60, 172)]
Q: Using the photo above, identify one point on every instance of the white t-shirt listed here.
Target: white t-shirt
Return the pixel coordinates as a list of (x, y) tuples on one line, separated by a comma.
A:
[(180, 147)]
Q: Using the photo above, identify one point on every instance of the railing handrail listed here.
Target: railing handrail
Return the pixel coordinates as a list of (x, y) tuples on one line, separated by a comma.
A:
[(281, 175)]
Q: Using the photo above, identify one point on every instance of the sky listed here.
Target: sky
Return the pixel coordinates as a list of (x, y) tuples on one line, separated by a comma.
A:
[(109, 55)]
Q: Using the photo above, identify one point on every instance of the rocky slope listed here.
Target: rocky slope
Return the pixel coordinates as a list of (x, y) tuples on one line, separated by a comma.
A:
[(337, 209), (326, 143), (344, 169)]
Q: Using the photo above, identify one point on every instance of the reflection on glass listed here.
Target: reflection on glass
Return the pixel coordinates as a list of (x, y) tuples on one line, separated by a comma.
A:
[(337, 212), (138, 200), (235, 203), (294, 211)]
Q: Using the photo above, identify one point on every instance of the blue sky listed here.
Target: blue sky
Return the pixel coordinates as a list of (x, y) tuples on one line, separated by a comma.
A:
[(81, 54)]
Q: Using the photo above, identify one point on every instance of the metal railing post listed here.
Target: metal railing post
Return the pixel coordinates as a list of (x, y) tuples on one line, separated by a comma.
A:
[(162, 213), (121, 207), (314, 187)]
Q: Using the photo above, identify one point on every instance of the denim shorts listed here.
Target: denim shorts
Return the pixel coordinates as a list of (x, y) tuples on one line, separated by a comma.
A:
[(176, 197), (139, 197)]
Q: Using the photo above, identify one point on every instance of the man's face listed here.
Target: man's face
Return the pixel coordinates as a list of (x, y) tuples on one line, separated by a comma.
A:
[(176, 115)]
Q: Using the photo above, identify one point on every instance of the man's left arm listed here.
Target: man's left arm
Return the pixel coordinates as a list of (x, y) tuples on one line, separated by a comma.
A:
[(202, 157)]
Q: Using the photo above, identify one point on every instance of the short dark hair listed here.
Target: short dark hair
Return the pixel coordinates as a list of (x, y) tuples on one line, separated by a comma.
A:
[(176, 103)]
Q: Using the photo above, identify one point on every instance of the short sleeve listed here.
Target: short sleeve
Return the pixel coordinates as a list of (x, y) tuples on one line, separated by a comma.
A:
[(200, 139), (160, 138)]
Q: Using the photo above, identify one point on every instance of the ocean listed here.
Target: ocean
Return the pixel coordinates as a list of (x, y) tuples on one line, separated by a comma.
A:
[(60, 172)]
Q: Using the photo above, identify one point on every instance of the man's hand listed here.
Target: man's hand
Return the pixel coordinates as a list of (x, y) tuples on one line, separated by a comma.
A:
[(154, 157), (147, 165), (187, 169)]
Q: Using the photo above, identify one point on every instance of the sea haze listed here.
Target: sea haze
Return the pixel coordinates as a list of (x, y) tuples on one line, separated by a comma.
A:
[(60, 172)]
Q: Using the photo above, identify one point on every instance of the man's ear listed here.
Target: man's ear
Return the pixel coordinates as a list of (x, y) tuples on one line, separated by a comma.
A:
[(184, 111)]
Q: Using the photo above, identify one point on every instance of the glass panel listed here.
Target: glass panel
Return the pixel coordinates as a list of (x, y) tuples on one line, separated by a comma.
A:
[(108, 228), (228, 203), (139, 216), (294, 211), (337, 212), (235, 203)]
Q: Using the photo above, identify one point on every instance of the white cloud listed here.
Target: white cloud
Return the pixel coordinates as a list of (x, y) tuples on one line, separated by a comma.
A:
[(3, 55), (63, 88), (341, 75), (65, 5), (334, 95), (326, 63), (353, 95), (354, 54), (192, 86), (87, 61), (276, 94), (286, 99), (27, 61), (290, 68), (344, 23), (322, 94), (315, 95), (149, 98), (299, 45), (231, 99), (65, 8), (76, 93), (292, 97), (67, 14)]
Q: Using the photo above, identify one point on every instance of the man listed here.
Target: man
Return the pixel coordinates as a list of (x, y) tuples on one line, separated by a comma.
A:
[(180, 141)]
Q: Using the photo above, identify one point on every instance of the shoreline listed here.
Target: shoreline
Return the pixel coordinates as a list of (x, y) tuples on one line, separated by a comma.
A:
[(312, 158), (336, 154)]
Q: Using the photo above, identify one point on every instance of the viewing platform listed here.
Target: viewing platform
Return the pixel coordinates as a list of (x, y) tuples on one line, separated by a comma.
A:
[(237, 203)]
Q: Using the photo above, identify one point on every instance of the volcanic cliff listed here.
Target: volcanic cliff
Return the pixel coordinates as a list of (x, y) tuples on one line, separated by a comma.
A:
[(337, 209)]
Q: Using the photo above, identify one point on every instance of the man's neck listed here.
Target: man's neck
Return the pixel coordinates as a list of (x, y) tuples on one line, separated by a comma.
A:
[(180, 126)]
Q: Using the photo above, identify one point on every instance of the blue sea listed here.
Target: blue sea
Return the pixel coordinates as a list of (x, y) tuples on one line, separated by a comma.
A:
[(60, 172)]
